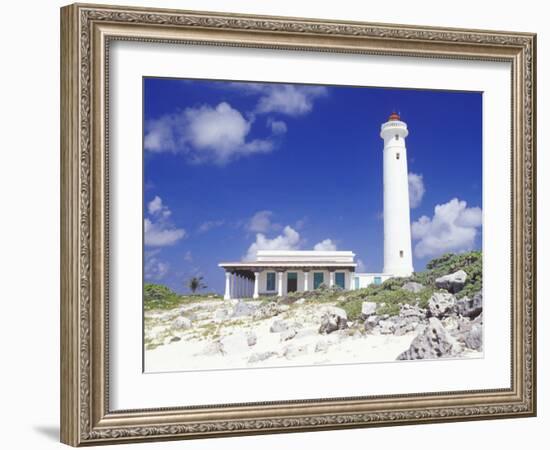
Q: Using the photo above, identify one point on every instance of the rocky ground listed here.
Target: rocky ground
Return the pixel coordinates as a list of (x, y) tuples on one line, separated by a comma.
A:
[(318, 327)]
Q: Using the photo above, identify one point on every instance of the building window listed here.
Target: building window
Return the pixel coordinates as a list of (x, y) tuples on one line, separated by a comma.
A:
[(318, 279), (397, 155), (357, 283), (270, 281), (396, 137), (401, 253), (377, 280), (340, 279)]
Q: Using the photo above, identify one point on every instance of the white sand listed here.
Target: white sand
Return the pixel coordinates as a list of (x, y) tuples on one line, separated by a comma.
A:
[(189, 352)]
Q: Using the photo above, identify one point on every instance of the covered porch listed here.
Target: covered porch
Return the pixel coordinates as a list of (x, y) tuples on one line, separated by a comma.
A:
[(251, 280)]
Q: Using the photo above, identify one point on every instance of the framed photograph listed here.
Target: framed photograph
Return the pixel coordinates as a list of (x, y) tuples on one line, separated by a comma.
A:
[(277, 224)]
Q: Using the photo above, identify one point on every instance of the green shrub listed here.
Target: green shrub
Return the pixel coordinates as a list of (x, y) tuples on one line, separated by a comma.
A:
[(392, 300), (158, 296), (471, 263), (353, 308)]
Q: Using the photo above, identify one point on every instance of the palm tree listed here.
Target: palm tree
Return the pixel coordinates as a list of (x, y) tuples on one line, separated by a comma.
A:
[(196, 284)]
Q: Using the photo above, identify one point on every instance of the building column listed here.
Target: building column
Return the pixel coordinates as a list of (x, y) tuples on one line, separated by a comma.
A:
[(280, 284), (227, 294), (331, 279), (351, 286), (256, 293), (306, 281)]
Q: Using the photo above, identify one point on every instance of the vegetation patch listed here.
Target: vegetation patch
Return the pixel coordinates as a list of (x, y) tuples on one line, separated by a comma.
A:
[(158, 296), (470, 262), (390, 295)]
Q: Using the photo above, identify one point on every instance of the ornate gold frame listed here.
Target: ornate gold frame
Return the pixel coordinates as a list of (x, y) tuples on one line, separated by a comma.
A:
[(86, 31)]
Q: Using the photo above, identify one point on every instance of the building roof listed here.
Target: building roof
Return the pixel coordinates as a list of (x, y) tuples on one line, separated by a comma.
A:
[(298, 259), (304, 256)]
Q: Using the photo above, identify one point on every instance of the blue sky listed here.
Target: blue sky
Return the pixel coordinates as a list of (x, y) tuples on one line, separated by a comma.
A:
[(231, 167)]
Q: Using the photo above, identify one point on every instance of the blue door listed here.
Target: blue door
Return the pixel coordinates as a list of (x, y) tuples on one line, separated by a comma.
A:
[(340, 279), (270, 281), (318, 279)]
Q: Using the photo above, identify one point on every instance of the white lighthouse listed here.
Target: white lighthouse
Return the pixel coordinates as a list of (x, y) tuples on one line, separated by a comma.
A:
[(397, 221)]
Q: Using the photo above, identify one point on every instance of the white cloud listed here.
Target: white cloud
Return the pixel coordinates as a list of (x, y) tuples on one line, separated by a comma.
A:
[(261, 222), (288, 240), (154, 268), (156, 208), (360, 266), (159, 234), (288, 99), (158, 231), (326, 245), (416, 189), (160, 136), (205, 134), (453, 227), (188, 256), (210, 224), (154, 205), (277, 126)]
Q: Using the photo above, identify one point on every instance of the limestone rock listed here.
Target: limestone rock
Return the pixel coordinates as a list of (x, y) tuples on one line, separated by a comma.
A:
[(368, 309), (279, 325), (404, 325), (221, 314), (470, 308), (333, 310), (441, 304), (251, 338), (386, 326), (433, 342), (474, 338), (261, 356), (470, 332), (412, 311), (243, 309), (453, 282), (293, 351), (333, 319), (269, 310), (450, 323), (371, 322), (234, 343), (288, 334), (413, 287), (181, 323)]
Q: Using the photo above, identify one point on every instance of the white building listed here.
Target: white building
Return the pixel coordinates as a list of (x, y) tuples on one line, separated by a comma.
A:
[(282, 271)]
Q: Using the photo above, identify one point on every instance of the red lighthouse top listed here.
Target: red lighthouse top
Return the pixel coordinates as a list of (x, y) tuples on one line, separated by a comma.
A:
[(394, 116)]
